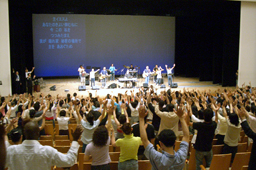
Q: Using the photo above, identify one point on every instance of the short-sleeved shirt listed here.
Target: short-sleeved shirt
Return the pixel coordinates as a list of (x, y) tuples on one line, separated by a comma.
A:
[(129, 146), (100, 155), (88, 130), (112, 69), (165, 160), (205, 135), (63, 123), (104, 72)]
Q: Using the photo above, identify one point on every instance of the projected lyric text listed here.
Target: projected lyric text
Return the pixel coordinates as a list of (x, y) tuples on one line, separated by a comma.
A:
[(60, 34)]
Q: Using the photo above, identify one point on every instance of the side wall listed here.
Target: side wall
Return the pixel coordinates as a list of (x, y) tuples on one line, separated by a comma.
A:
[(247, 46), (5, 74)]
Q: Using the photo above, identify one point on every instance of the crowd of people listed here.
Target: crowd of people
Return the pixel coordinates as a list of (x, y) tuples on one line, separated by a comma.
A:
[(145, 125)]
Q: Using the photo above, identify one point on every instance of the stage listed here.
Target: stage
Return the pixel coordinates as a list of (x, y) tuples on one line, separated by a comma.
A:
[(71, 84)]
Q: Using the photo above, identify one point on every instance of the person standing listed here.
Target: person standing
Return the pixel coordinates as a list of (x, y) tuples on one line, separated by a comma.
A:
[(146, 73), (169, 74), (112, 70), (159, 75), (155, 69), (29, 83), (80, 70), (92, 76), (26, 75), (104, 73), (32, 155), (17, 82), (83, 75)]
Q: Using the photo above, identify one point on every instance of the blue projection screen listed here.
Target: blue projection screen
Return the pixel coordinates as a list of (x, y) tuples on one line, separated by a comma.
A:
[(62, 42)]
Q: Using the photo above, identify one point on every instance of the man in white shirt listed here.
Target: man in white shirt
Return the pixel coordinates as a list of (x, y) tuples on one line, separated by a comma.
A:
[(32, 155), (169, 74), (80, 70), (92, 76), (159, 75)]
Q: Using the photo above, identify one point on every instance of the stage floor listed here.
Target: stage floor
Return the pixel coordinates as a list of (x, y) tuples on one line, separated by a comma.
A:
[(72, 85)]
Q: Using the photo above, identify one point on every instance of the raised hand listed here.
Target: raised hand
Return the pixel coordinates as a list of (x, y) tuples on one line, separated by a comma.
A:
[(142, 112), (76, 135)]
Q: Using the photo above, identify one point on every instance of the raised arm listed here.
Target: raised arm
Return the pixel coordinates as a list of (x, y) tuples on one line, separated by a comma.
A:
[(181, 114), (143, 133)]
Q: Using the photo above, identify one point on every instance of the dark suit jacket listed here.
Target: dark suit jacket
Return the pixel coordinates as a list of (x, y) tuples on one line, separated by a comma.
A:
[(251, 134)]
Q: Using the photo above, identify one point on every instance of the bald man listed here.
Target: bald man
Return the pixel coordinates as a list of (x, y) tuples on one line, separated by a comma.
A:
[(32, 155)]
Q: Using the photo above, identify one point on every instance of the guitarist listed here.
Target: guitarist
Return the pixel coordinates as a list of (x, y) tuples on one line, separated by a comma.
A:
[(169, 74), (146, 73), (104, 75), (112, 70)]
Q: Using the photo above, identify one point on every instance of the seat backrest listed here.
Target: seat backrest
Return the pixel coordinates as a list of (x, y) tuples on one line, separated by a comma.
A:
[(73, 127), (220, 162), (49, 129), (177, 145), (214, 141), (111, 148), (61, 137), (192, 160), (114, 156), (62, 149), (144, 165), (46, 137), (62, 143), (250, 147), (241, 159), (244, 167), (242, 147), (57, 130), (46, 142), (217, 149)]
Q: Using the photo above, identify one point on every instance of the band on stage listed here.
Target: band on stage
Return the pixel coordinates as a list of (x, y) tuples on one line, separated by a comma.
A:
[(130, 75)]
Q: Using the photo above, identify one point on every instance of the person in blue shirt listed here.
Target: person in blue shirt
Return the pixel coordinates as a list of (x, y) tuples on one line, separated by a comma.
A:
[(146, 74), (168, 159), (112, 70), (104, 75)]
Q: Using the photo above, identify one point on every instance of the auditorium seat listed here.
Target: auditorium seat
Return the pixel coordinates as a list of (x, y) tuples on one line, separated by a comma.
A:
[(57, 132), (114, 156), (46, 142), (214, 141), (177, 145), (49, 129), (62, 142), (241, 159), (219, 162), (71, 127), (46, 137), (144, 165), (192, 160), (116, 149), (217, 149), (61, 137), (111, 148), (244, 167), (250, 147), (242, 147)]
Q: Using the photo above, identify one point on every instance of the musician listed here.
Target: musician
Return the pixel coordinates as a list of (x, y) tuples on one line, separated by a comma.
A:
[(103, 74), (112, 70), (131, 67), (169, 74), (146, 73), (83, 75), (80, 70), (155, 69), (127, 74), (159, 75), (92, 76)]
